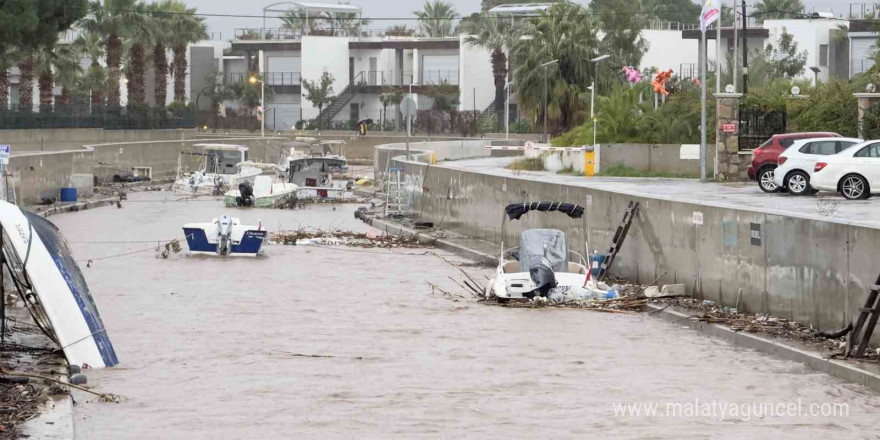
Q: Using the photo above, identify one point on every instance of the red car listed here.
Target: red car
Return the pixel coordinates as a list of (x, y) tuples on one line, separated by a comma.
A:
[(764, 158)]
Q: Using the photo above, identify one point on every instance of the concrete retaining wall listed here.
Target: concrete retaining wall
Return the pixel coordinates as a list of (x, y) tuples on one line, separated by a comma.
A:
[(39, 174), (667, 158), (815, 272), (74, 138)]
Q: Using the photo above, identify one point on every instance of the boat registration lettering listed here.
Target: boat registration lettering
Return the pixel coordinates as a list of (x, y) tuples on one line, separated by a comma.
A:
[(21, 231)]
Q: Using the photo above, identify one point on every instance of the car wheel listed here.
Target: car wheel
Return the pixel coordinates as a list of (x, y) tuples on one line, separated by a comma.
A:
[(854, 187), (765, 181), (798, 184)]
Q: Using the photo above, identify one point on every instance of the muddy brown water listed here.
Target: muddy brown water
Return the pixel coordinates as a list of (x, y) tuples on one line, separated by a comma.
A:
[(209, 349)]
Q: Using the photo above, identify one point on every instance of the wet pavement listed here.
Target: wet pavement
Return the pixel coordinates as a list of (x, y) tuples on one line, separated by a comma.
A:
[(735, 195), (341, 343)]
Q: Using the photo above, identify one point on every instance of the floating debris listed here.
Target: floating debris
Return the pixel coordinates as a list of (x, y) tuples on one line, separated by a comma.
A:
[(312, 237)]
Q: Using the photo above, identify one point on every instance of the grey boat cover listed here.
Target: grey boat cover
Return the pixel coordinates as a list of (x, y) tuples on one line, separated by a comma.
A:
[(537, 243)]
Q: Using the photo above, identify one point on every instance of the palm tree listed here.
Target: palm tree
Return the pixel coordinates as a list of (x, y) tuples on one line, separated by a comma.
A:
[(778, 9), (348, 23), (161, 39), (67, 72), (43, 61), (183, 28), (109, 18), (436, 18), (495, 34), (91, 45), (26, 66), (298, 20), (554, 35), (138, 32)]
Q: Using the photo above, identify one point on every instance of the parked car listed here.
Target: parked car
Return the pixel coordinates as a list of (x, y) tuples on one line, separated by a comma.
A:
[(796, 163), (764, 157), (854, 172)]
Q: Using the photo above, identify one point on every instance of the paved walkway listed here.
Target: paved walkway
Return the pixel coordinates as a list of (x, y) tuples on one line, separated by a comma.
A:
[(739, 195)]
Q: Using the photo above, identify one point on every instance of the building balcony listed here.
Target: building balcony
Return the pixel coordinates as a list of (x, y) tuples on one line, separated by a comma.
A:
[(402, 78), (284, 34), (272, 78)]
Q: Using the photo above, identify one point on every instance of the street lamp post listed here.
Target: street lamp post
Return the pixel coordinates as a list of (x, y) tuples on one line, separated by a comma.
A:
[(544, 66), (254, 80), (593, 93), (408, 119), (507, 111), (816, 71)]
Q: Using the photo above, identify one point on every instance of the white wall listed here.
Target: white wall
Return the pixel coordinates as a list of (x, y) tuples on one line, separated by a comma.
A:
[(809, 34), (667, 50), (475, 72), (324, 54)]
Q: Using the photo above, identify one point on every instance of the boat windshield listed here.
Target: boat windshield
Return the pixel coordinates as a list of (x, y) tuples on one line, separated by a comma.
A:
[(222, 161)]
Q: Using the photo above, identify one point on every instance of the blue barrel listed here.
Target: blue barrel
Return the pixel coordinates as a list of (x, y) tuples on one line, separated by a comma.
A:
[(596, 261), (68, 194)]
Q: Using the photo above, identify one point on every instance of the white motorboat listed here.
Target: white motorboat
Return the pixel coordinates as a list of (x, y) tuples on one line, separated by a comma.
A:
[(51, 285), (224, 166), (263, 194), (542, 263), (224, 236)]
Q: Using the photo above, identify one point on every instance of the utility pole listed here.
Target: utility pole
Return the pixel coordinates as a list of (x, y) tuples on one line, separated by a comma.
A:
[(745, 49)]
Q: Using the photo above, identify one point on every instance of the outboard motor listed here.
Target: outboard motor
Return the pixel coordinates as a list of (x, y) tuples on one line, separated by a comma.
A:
[(196, 180), (543, 276), (246, 194), (224, 235)]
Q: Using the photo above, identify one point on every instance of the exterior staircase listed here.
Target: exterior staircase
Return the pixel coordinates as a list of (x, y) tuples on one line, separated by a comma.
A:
[(341, 102)]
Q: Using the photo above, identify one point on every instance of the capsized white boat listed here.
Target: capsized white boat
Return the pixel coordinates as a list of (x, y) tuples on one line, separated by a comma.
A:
[(224, 236), (541, 265), (50, 282), (264, 193), (224, 166)]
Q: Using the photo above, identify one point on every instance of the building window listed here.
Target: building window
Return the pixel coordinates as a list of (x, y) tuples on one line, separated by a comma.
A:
[(823, 55)]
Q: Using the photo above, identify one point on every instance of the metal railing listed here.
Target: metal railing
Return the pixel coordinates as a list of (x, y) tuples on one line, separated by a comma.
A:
[(430, 77), (87, 116), (297, 34), (657, 25), (272, 78), (405, 77)]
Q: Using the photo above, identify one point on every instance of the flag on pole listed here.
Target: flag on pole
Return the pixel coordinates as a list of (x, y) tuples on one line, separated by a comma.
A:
[(709, 14)]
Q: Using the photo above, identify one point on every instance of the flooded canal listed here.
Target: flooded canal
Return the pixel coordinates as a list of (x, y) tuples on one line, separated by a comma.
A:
[(314, 342)]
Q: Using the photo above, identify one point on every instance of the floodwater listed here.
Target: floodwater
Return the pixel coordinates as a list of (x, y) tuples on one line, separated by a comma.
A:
[(210, 348)]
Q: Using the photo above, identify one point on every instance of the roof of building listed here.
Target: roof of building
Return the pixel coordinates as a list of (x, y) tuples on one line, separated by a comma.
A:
[(317, 7), (519, 9)]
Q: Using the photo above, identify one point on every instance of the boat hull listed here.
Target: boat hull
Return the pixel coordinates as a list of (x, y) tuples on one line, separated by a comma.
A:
[(42, 253), (245, 242)]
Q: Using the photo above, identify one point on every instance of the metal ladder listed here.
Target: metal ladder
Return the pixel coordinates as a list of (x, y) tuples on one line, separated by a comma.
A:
[(395, 193), (619, 237), (868, 319)]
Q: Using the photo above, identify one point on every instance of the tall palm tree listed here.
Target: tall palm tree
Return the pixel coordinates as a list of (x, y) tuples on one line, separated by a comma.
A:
[(778, 9), (26, 66), (67, 72), (436, 18), (43, 60), (298, 20), (183, 28), (496, 35), (555, 35), (91, 45), (161, 39), (138, 32), (110, 18), (348, 23)]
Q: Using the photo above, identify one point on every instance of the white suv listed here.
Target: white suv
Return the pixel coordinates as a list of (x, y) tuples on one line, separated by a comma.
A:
[(797, 162)]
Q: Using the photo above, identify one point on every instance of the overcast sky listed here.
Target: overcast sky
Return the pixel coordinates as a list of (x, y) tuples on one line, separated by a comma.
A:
[(384, 9)]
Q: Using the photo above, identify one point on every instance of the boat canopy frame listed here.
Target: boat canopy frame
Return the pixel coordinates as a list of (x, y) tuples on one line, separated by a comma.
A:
[(515, 211)]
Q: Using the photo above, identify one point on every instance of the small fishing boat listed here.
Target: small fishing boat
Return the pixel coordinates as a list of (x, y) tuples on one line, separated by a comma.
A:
[(53, 288), (320, 175), (224, 236), (223, 167), (264, 193), (541, 265)]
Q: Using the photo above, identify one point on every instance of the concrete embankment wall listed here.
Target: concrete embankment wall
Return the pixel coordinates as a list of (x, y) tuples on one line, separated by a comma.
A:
[(38, 174), (61, 139), (815, 272), (668, 158)]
